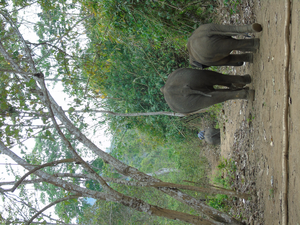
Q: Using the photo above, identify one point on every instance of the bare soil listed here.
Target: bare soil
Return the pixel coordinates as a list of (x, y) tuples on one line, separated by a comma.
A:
[(252, 131)]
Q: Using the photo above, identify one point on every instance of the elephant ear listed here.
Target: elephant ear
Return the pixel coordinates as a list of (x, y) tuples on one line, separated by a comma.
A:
[(199, 65)]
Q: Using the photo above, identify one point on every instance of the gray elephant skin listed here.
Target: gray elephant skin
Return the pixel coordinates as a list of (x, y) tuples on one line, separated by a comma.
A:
[(211, 45), (211, 136), (189, 90)]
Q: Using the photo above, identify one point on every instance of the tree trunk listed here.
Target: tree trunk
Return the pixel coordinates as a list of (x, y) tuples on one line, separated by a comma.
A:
[(157, 211)]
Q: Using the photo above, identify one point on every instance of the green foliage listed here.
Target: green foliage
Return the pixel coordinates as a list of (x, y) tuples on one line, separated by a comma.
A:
[(226, 171), (223, 178), (133, 47), (232, 5), (187, 157), (271, 193), (97, 165), (48, 148), (250, 118), (117, 58), (218, 202), (158, 21), (113, 213)]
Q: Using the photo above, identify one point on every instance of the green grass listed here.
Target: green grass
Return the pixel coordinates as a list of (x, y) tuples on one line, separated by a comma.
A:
[(223, 178)]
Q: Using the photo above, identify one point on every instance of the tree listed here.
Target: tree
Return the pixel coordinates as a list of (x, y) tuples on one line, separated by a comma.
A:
[(25, 79)]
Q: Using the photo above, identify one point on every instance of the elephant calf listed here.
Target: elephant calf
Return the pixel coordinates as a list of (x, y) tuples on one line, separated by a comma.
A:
[(211, 136), (189, 90), (211, 45)]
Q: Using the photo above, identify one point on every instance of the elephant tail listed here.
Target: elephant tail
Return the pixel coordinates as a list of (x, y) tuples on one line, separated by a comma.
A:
[(222, 33), (195, 92)]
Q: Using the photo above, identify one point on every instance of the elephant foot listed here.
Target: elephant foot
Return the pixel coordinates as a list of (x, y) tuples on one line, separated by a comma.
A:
[(251, 95), (256, 43), (256, 27), (236, 86), (250, 58), (247, 79)]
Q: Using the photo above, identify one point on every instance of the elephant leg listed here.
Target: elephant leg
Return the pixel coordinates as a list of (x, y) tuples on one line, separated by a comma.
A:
[(238, 59), (218, 96), (220, 55), (225, 80), (221, 95), (226, 45), (234, 30), (245, 45), (235, 60)]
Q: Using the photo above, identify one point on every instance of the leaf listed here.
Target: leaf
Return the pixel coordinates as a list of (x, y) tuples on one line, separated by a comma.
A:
[(48, 133), (30, 83), (71, 109), (7, 129)]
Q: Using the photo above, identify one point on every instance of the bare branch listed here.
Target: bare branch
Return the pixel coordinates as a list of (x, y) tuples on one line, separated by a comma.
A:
[(40, 77), (211, 190), (25, 203), (15, 71), (138, 114), (134, 203), (54, 163), (50, 205)]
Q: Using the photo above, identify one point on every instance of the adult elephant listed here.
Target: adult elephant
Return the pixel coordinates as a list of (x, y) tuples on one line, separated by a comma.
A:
[(211, 45), (189, 90)]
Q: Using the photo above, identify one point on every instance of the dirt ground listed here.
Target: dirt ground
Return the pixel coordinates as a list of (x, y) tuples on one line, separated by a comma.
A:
[(252, 131)]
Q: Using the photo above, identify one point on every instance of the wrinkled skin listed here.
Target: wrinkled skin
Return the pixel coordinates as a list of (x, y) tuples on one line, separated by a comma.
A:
[(189, 90), (212, 136), (211, 45)]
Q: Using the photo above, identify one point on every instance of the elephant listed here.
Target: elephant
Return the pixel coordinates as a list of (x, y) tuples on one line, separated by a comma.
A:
[(187, 90), (210, 135), (211, 45)]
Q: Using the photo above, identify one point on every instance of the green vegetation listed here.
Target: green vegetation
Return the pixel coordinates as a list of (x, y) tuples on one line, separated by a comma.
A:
[(250, 118), (137, 44), (116, 59), (271, 193), (232, 5), (223, 178), (226, 172)]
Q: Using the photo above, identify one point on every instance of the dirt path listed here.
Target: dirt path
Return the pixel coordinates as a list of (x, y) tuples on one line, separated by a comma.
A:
[(253, 132)]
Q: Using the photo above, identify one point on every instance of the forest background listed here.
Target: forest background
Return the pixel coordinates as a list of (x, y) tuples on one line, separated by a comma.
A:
[(114, 80)]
